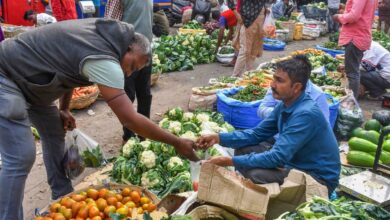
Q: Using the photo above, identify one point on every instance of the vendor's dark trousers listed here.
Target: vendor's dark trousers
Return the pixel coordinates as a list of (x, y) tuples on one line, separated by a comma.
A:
[(332, 25), (138, 85), (17, 148), (375, 84), (258, 175), (353, 57)]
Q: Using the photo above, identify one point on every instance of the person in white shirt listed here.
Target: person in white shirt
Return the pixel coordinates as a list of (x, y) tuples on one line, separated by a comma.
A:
[(376, 75), (39, 19)]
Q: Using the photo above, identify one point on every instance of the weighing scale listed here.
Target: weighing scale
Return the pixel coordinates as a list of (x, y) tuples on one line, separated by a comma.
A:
[(370, 186), (87, 9)]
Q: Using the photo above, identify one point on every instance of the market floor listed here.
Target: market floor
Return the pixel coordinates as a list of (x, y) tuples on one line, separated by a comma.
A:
[(173, 89)]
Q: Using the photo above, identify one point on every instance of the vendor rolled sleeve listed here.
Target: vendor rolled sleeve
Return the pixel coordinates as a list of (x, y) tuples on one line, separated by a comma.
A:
[(104, 72)]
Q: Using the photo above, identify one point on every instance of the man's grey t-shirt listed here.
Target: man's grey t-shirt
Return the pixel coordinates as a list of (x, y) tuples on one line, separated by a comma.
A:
[(139, 13)]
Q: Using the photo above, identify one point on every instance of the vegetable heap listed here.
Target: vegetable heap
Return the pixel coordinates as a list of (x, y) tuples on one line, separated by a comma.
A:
[(363, 145), (326, 60), (157, 166), (250, 93), (322, 80), (341, 209), (181, 52), (382, 38), (336, 94), (332, 45), (320, 5), (262, 78), (193, 25), (226, 50)]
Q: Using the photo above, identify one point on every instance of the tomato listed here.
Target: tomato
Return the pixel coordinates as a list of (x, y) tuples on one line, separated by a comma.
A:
[(39, 218), (78, 198), (55, 207), (126, 199), (130, 204), (135, 196), (109, 209), (93, 194), (195, 186), (83, 213), (112, 200), (145, 207), (103, 193), (59, 216), (140, 211), (93, 211), (76, 208), (118, 205), (96, 218), (101, 204), (123, 210), (67, 213), (126, 192), (67, 202), (151, 207), (144, 200), (119, 197)]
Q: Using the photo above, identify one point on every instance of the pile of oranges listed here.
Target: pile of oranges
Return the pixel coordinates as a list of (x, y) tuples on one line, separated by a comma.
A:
[(99, 204)]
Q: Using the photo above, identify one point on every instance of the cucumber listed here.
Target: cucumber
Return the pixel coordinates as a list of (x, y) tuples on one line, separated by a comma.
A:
[(360, 158), (372, 136), (385, 157), (360, 144)]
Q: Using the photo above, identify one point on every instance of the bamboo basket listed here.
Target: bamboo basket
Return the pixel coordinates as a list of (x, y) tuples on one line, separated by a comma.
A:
[(82, 102)]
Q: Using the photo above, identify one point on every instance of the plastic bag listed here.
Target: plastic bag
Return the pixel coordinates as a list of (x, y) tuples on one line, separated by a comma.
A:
[(88, 149), (268, 21), (350, 116), (73, 162)]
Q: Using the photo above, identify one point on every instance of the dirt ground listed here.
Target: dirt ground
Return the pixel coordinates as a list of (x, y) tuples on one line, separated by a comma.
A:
[(173, 89)]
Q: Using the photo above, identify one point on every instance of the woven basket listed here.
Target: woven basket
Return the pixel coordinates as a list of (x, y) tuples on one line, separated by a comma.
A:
[(82, 102), (154, 79), (110, 186)]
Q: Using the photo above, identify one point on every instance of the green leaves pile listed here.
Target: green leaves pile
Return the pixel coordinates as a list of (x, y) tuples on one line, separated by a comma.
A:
[(250, 93), (326, 60), (320, 5), (193, 25), (332, 45), (181, 52), (322, 209), (382, 38)]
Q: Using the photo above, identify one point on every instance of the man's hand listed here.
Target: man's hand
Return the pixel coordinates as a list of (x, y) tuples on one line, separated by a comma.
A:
[(207, 141), (221, 161), (67, 120), (185, 148)]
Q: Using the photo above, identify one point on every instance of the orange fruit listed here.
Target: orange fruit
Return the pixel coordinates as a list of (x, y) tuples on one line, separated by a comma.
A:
[(93, 211), (151, 207), (112, 200), (126, 199), (54, 207), (144, 200), (109, 209), (101, 204), (102, 193), (93, 194), (126, 192), (135, 196), (130, 204), (122, 210)]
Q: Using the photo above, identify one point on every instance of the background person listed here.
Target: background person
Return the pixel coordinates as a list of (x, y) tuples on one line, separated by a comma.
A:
[(39, 19)]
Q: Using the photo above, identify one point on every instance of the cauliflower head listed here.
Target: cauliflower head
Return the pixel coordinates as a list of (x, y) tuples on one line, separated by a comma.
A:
[(146, 144), (164, 123), (189, 135), (148, 159), (130, 147), (174, 162), (152, 179), (211, 126), (188, 116), (202, 117), (174, 127)]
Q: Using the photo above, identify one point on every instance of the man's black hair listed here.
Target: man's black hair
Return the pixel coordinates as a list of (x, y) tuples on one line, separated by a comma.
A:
[(27, 14), (298, 69), (215, 15)]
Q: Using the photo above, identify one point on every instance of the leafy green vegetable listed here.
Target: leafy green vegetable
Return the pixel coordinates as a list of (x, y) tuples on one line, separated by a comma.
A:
[(193, 25), (382, 38), (332, 45), (93, 158), (180, 183), (250, 93), (226, 50)]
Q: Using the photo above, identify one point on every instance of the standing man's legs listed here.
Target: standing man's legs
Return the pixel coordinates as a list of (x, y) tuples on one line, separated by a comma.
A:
[(17, 150), (353, 57), (239, 67), (46, 119), (138, 85)]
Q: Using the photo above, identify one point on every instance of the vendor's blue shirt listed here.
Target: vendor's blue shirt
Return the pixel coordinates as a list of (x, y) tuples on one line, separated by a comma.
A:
[(306, 142)]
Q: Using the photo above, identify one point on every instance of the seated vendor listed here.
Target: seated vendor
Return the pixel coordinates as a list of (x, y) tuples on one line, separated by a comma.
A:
[(282, 9), (269, 102), (306, 141), (376, 75)]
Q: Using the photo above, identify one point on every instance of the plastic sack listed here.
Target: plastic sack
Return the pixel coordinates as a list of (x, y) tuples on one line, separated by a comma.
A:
[(350, 116), (88, 149), (204, 102), (239, 114)]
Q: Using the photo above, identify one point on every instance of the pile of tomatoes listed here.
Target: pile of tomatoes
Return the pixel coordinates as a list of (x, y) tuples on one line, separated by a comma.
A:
[(99, 204)]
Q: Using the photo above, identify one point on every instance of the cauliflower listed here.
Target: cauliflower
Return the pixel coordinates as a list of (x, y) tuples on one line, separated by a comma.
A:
[(174, 127), (189, 135), (164, 123), (151, 179), (148, 159), (206, 132), (130, 147), (175, 114), (202, 117), (146, 144), (188, 116), (174, 161), (211, 126)]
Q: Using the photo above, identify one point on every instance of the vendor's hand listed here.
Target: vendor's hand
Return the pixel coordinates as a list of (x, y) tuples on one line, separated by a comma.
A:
[(67, 120), (185, 148), (221, 161), (206, 141)]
